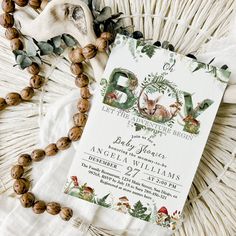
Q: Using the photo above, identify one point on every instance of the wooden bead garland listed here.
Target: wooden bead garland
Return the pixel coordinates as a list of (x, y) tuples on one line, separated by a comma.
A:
[(77, 55)]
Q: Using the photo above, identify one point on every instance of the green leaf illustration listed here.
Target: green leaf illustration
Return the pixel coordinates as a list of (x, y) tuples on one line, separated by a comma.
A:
[(140, 211), (102, 201)]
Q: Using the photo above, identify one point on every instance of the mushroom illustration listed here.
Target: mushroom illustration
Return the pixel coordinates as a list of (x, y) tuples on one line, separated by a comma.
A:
[(63, 16), (162, 215), (88, 193), (123, 205)]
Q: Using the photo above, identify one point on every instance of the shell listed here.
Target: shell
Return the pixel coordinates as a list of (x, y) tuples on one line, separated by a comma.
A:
[(38, 155), (75, 133), (51, 149), (27, 93), (63, 143), (83, 105), (39, 207), (66, 213), (80, 119), (13, 99), (21, 186)]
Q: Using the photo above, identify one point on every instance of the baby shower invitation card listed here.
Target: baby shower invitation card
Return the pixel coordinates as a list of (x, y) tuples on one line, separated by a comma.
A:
[(149, 123)]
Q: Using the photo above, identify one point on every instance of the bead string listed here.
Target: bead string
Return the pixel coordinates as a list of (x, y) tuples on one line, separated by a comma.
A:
[(77, 56)]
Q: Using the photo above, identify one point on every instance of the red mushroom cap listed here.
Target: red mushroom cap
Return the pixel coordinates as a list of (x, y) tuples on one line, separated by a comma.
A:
[(163, 210)]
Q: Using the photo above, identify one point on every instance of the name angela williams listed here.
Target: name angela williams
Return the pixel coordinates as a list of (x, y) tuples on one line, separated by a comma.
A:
[(138, 150)]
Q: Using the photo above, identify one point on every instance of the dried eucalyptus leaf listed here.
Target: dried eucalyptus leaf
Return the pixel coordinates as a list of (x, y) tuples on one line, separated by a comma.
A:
[(137, 35), (56, 41), (45, 48), (69, 40), (31, 47), (115, 16), (20, 58), (104, 15), (58, 51), (119, 24), (25, 63), (36, 59)]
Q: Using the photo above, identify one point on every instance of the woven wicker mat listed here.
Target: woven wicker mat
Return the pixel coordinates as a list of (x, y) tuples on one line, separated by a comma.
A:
[(187, 24)]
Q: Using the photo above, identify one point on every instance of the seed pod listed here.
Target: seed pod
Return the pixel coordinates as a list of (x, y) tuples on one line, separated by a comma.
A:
[(53, 208), (85, 93), (39, 207), (35, 3), (76, 55), (38, 155), (16, 44), (24, 160), (107, 36), (83, 105), (27, 200), (66, 213), (76, 68), (17, 171), (82, 80), (21, 186), (101, 44), (6, 20), (89, 51), (21, 3), (51, 149), (3, 104), (13, 99), (36, 81), (8, 6), (11, 33), (80, 119), (75, 133), (33, 69), (63, 143), (27, 93)]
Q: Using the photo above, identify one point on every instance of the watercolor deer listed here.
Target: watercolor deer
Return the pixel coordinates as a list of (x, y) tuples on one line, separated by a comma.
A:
[(153, 108)]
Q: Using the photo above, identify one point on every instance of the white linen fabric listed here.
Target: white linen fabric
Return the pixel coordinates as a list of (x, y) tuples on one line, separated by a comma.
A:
[(49, 176)]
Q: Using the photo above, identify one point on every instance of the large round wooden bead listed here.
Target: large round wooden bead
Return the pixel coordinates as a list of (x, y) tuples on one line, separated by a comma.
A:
[(35, 3), (8, 6), (17, 171), (89, 51), (66, 213), (82, 80), (80, 119), (75, 133), (38, 155), (76, 55), (6, 20), (36, 81), (106, 35), (3, 104), (16, 44), (39, 207), (21, 186), (11, 33), (33, 69), (51, 149), (85, 93), (101, 44), (53, 208), (21, 3), (24, 160), (27, 93), (83, 105), (27, 200), (63, 143), (76, 68), (13, 99)]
